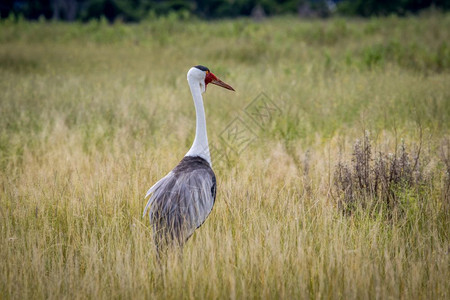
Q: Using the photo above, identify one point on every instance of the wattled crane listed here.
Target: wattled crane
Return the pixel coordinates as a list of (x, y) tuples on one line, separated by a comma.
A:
[(181, 201)]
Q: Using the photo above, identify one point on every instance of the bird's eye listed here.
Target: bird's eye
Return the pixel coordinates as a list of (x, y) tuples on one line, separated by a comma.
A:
[(207, 72)]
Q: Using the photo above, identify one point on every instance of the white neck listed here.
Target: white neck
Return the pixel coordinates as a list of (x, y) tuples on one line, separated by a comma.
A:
[(200, 146)]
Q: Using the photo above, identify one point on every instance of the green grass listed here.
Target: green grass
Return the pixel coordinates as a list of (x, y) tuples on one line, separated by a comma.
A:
[(91, 115)]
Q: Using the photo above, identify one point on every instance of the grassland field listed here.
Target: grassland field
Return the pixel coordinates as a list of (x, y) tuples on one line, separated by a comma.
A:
[(91, 115)]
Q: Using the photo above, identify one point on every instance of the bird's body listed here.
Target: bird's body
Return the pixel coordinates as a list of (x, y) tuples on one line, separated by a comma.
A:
[(181, 201)]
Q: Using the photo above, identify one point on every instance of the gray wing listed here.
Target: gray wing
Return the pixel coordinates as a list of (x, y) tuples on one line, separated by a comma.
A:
[(181, 201)]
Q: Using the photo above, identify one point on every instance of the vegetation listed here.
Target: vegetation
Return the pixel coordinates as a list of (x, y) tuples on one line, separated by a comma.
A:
[(137, 10), (91, 115)]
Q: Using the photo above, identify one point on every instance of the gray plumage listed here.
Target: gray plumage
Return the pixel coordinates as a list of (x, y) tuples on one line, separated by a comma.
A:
[(181, 201)]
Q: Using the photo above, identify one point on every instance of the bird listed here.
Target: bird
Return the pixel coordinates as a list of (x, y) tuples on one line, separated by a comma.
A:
[(180, 202)]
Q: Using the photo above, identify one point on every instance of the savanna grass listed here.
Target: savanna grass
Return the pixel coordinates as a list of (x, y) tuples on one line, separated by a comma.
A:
[(91, 115)]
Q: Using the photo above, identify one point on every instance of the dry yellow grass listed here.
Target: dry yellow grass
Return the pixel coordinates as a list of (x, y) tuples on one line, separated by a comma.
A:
[(92, 115)]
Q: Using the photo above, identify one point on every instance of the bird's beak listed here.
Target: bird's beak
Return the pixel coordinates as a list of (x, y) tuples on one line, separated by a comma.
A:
[(222, 84)]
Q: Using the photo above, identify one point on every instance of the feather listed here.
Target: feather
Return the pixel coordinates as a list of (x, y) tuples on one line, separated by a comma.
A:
[(151, 190), (181, 201)]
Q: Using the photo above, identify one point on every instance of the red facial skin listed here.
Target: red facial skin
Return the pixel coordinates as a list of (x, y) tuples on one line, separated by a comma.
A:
[(210, 77)]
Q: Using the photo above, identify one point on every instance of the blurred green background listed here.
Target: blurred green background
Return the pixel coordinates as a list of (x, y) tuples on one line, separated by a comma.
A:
[(137, 10)]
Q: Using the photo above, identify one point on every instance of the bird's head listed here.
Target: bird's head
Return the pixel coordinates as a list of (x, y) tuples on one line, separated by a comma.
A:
[(204, 76)]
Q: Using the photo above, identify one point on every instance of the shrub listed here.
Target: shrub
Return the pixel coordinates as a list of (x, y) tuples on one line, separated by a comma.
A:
[(445, 157), (382, 177)]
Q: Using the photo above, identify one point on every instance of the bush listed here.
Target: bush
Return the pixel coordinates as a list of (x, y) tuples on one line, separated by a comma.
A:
[(384, 177)]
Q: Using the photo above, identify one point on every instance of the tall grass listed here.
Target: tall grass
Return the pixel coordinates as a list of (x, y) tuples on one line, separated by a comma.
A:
[(92, 115)]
